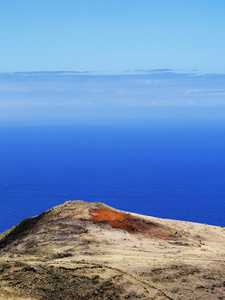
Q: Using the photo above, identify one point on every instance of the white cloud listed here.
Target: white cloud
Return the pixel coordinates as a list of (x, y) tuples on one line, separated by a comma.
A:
[(71, 93), (151, 81), (205, 91)]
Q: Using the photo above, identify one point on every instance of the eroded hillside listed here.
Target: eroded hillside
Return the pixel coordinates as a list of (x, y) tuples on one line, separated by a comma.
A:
[(82, 250)]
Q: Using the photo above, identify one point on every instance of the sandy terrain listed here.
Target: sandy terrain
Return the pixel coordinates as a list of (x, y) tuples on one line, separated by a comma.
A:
[(82, 250)]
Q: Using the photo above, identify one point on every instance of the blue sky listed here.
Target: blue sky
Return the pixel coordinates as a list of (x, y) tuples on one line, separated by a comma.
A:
[(112, 36), (170, 53)]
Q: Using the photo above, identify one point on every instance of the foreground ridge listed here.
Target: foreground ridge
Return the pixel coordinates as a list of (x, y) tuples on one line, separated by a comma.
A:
[(81, 250)]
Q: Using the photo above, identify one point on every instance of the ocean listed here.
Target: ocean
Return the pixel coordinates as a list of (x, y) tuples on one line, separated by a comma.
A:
[(165, 169)]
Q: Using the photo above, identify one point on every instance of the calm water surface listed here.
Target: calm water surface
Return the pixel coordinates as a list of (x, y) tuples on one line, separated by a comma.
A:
[(168, 170)]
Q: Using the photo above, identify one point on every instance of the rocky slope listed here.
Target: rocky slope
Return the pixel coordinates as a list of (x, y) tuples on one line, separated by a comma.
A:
[(82, 250)]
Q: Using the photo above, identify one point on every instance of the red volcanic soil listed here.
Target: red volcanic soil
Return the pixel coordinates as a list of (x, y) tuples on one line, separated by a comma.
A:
[(126, 221)]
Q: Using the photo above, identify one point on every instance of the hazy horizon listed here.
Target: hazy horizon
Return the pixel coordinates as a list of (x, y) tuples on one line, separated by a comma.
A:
[(149, 95)]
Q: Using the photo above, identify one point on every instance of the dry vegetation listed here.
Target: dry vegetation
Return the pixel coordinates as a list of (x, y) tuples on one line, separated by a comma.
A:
[(84, 250)]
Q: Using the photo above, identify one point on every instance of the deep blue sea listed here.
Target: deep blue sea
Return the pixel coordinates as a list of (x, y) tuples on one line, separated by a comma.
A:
[(165, 169)]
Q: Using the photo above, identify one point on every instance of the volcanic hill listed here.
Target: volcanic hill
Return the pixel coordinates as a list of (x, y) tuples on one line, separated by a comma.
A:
[(81, 250)]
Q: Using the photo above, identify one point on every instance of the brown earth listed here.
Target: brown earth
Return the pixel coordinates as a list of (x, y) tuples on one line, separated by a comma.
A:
[(82, 250)]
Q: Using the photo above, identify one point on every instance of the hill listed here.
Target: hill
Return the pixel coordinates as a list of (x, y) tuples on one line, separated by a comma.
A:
[(81, 250)]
